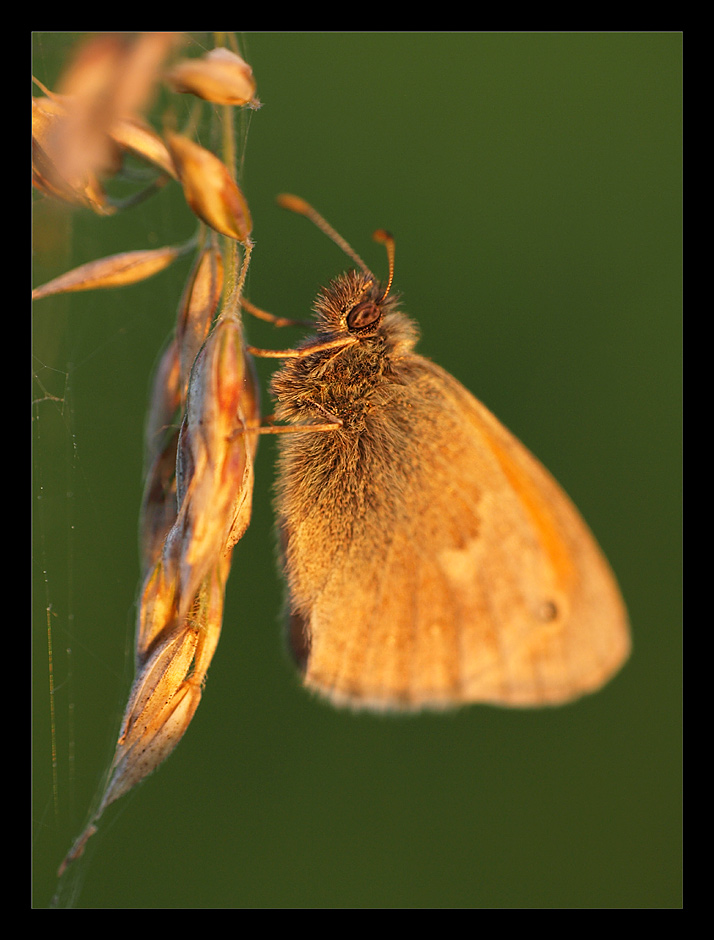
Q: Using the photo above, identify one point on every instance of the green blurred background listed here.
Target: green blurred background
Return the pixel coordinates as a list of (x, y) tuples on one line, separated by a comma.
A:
[(533, 182)]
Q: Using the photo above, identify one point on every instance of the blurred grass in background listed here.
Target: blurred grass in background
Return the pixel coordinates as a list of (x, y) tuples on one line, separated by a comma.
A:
[(533, 182)]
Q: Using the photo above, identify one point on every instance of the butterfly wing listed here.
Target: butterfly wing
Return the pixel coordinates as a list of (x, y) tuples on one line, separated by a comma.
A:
[(474, 580)]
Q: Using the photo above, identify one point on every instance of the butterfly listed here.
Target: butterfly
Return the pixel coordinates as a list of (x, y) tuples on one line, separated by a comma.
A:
[(430, 560)]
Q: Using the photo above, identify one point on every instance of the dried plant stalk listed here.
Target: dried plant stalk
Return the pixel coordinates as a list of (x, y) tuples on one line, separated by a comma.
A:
[(181, 608), (201, 431)]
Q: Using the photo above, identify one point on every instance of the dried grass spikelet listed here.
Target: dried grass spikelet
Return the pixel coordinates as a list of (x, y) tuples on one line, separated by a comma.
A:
[(180, 613), (214, 465), (59, 175), (127, 267), (111, 78), (181, 607), (168, 686), (158, 505), (79, 132), (199, 305), (209, 188), (219, 76), (118, 72), (214, 482), (197, 308), (51, 174), (135, 136)]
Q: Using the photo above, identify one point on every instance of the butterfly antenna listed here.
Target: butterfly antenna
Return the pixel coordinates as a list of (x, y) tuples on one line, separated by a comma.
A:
[(296, 204), (385, 238)]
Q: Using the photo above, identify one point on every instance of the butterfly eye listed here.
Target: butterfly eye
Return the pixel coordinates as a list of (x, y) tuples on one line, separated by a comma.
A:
[(363, 316)]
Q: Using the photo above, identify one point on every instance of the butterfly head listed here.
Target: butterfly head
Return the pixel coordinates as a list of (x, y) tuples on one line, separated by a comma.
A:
[(354, 303)]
